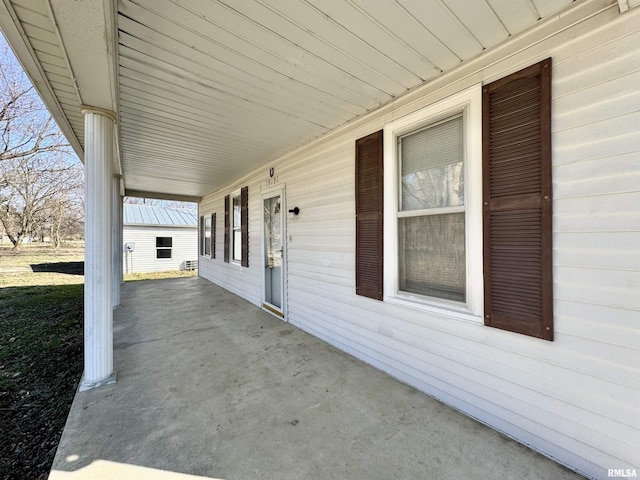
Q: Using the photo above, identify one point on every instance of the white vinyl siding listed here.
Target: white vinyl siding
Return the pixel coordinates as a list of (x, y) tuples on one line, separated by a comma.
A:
[(184, 246), (575, 399)]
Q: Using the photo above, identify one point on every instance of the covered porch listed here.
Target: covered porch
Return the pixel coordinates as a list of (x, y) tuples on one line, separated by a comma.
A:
[(209, 385), (233, 103)]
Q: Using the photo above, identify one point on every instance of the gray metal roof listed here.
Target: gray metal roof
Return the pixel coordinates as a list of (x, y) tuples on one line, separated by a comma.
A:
[(153, 215)]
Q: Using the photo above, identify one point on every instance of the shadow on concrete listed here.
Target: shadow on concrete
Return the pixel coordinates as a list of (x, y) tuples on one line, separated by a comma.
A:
[(70, 268)]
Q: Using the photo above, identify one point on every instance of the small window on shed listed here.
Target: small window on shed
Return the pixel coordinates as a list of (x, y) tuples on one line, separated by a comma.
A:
[(163, 247)]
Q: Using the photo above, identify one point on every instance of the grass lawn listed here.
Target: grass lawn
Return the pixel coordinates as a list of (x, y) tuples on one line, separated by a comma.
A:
[(41, 322), (40, 353), (40, 365), (41, 265)]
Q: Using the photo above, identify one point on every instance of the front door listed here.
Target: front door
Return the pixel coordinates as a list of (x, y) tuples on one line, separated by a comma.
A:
[(273, 221)]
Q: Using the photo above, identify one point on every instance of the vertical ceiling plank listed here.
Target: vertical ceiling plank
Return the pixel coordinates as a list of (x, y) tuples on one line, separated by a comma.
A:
[(480, 20), (445, 26), (515, 15), (547, 7)]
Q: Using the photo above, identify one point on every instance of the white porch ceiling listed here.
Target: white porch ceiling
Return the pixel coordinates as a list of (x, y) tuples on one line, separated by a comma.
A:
[(206, 91)]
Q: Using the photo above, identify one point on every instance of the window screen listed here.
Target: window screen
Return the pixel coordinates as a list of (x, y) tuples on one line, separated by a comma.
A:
[(432, 256)]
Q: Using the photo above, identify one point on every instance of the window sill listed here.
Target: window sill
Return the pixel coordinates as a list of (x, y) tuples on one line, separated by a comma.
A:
[(444, 308)]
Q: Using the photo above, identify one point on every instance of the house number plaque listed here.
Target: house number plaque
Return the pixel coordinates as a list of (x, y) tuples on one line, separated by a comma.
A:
[(273, 179)]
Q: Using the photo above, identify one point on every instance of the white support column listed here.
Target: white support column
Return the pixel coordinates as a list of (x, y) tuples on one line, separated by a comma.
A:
[(98, 309), (116, 253)]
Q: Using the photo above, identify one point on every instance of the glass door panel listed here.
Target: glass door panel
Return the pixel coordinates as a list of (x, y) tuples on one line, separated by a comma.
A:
[(273, 250)]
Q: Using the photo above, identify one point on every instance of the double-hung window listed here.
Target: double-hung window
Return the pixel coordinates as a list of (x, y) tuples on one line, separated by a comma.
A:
[(163, 247), (207, 235), (466, 229), (433, 213), (236, 227)]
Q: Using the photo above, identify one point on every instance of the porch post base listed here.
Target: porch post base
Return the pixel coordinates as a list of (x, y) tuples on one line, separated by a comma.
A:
[(84, 385)]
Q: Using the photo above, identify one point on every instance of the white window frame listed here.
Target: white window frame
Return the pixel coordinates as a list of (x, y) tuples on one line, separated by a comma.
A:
[(469, 103), (233, 228)]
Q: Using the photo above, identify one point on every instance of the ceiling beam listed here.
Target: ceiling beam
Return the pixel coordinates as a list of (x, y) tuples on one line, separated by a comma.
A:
[(162, 196)]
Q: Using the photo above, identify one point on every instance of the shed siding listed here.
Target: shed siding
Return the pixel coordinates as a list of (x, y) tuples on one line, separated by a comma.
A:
[(576, 399), (185, 247)]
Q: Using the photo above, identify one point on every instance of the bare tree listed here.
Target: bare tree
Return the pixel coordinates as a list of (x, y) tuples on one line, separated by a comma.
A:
[(66, 215), (35, 191), (161, 203), (39, 181), (26, 127)]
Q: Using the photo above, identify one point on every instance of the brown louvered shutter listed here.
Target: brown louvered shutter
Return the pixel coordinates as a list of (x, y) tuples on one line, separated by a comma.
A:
[(213, 235), (226, 228), (517, 202), (201, 237), (369, 216), (244, 225)]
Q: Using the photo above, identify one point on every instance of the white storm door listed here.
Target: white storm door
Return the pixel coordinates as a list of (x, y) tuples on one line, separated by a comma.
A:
[(273, 223)]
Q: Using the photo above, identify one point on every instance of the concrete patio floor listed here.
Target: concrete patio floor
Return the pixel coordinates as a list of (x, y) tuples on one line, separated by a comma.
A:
[(211, 386)]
